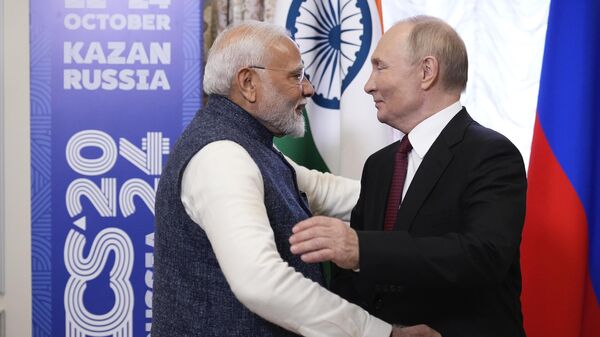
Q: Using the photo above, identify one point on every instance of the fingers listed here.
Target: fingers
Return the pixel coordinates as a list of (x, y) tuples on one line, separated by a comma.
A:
[(322, 238), (310, 222), (420, 330), (315, 227), (308, 244), (305, 234), (312, 240), (318, 256)]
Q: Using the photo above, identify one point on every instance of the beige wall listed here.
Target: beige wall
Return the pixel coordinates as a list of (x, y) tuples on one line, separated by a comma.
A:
[(16, 214)]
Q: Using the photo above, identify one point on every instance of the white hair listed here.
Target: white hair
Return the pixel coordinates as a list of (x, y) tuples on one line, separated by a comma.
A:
[(242, 45)]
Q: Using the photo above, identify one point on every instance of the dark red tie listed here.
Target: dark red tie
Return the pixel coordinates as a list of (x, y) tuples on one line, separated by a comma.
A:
[(397, 185)]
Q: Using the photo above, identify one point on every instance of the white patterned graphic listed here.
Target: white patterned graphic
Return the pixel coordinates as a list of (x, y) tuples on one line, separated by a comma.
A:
[(117, 321), (140, 188), (102, 198), (149, 158), (91, 166)]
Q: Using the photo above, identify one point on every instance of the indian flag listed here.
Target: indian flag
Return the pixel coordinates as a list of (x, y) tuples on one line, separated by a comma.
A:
[(505, 42), (336, 39)]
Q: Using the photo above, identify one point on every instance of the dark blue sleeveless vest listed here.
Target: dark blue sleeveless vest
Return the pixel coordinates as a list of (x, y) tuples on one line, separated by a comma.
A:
[(191, 296)]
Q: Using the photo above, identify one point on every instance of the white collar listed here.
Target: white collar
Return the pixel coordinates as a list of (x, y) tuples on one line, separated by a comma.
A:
[(425, 133)]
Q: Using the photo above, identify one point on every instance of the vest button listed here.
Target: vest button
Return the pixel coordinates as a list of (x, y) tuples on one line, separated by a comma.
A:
[(378, 303)]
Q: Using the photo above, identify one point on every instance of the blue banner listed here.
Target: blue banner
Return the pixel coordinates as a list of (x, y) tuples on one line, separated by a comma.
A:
[(113, 83)]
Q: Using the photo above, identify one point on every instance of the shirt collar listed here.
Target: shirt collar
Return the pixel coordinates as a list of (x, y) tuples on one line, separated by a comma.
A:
[(425, 133), (229, 112)]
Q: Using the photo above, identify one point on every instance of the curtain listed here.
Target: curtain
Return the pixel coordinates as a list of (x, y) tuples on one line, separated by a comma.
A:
[(218, 14)]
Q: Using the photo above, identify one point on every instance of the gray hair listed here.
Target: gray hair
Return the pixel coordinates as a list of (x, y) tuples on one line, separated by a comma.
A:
[(242, 45), (432, 36)]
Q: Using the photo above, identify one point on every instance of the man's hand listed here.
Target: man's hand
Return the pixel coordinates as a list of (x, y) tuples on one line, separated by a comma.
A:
[(421, 330), (321, 238)]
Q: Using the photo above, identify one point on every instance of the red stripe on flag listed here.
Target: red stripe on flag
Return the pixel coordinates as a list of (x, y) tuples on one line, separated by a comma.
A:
[(554, 251), (591, 311)]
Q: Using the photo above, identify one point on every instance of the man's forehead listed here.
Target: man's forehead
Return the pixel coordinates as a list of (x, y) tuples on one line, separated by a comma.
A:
[(397, 34), (285, 52), (392, 42)]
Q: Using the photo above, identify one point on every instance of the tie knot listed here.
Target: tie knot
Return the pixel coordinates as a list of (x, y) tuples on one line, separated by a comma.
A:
[(405, 145)]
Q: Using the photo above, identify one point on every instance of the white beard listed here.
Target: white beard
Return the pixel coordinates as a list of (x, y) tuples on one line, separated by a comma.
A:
[(280, 115)]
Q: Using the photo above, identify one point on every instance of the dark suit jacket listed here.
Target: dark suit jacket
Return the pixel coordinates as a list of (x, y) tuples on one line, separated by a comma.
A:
[(453, 260)]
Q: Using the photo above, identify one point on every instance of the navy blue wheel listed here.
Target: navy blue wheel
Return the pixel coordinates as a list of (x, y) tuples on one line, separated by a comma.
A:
[(334, 38)]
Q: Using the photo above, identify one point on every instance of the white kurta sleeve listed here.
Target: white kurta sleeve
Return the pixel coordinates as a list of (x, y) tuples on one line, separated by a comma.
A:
[(328, 194), (222, 191)]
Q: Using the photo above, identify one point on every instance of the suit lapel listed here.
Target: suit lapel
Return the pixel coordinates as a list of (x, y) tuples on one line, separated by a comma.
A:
[(431, 169)]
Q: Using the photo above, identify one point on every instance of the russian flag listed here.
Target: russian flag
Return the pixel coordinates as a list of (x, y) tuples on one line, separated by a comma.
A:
[(561, 239)]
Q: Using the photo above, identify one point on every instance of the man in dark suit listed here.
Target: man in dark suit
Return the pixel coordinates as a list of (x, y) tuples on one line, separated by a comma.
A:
[(435, 235)]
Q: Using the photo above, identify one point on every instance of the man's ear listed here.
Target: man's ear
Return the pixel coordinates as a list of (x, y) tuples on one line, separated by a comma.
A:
[(430, 72), (246, 80)]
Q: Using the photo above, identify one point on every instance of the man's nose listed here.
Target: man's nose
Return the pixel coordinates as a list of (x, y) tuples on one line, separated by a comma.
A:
[(370, 85), (307, 88)]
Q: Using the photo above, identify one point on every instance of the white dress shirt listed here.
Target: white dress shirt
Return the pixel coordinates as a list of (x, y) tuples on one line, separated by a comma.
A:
[(422, 137), (222, 191)]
